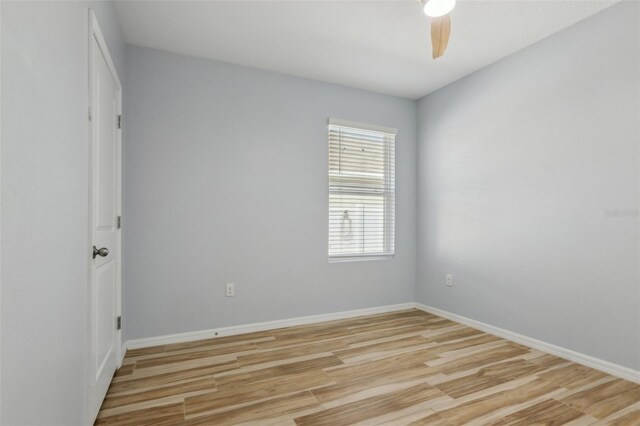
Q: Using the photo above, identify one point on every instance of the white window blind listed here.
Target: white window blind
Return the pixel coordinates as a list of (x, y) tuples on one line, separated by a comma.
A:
[(361, 190)]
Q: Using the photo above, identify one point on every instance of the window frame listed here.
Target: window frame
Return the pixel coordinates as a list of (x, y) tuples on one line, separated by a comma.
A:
[(388, 195)]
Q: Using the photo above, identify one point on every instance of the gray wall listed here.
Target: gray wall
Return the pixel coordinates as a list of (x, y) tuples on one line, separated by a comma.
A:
[(226, 171), (45, 203), (518, 164)]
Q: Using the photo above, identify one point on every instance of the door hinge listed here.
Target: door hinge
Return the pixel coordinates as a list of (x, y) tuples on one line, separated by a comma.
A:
[(119, 221), (120, 121), (90, 117), (119, 323)]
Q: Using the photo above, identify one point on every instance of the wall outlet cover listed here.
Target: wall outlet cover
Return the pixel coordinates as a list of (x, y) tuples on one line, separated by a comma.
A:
[(230, 289)]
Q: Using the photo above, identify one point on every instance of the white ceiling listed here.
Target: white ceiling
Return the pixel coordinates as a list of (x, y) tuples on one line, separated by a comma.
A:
[(382, 46)]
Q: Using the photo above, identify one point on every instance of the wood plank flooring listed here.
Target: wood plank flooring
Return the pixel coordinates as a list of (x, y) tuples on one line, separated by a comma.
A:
[(400, 368)]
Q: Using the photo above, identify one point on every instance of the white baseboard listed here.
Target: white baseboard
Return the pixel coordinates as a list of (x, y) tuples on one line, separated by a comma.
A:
[(577, 357), (259, 326), (123, 352)]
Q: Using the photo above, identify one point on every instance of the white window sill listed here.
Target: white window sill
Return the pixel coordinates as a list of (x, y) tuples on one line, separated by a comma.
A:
[(362, 258)]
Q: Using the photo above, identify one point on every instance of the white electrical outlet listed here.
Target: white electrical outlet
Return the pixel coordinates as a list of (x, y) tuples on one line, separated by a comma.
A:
[(449, 280), (230, 289)]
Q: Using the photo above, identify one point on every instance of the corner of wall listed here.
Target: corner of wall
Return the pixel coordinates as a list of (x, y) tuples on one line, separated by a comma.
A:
[(416, 225)]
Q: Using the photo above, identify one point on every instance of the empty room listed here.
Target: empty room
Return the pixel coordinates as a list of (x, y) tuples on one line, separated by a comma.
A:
[(319, 212)]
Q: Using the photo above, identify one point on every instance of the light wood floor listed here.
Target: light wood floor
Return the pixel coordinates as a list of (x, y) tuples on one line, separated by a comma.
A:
[(400, 368)]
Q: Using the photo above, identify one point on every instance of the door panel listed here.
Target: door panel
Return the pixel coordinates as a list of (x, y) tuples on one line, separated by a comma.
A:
[(104, 303), (105, 146), (106, 179)]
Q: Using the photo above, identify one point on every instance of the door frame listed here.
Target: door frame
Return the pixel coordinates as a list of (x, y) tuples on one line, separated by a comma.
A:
[(95, 32)]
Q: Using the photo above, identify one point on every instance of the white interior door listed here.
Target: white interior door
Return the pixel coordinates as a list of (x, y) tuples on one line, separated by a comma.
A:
[(105, 93)]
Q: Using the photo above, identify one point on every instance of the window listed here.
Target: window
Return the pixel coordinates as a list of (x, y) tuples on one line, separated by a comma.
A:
[(361, 190)]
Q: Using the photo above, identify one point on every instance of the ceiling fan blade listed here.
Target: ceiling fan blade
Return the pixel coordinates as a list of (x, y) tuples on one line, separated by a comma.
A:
[(440, 30)]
